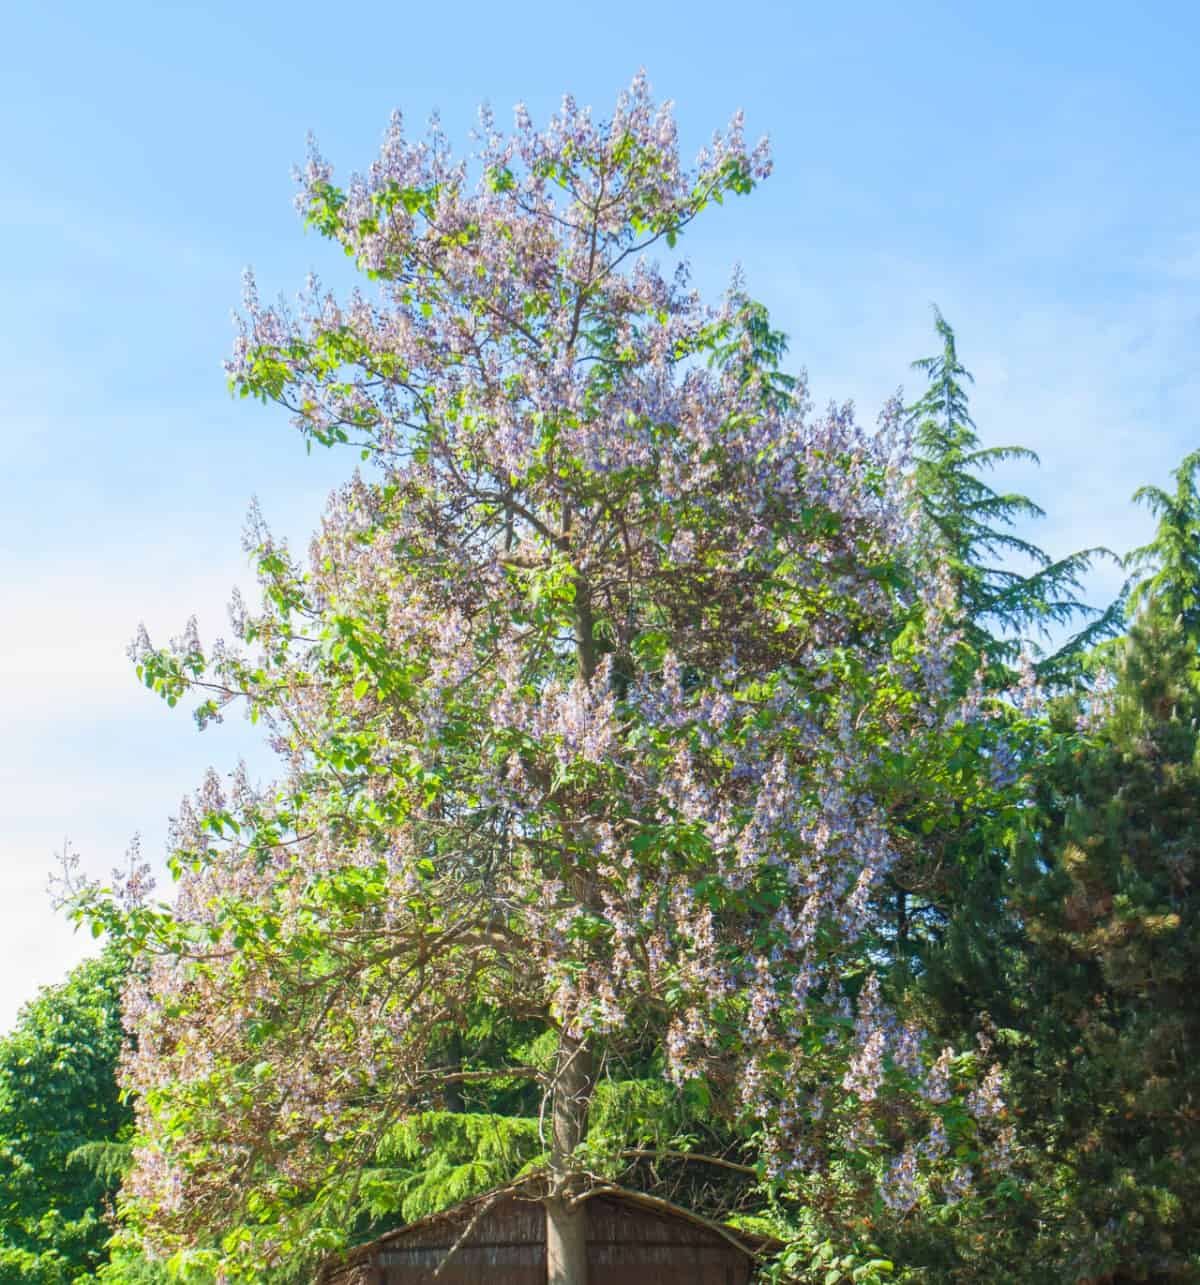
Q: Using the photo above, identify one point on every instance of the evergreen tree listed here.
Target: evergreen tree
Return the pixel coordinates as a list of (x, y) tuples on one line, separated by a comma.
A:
[(1113, 921), (958, 950), (975, 527), (948, 893), (953, 929), (1170, 563)]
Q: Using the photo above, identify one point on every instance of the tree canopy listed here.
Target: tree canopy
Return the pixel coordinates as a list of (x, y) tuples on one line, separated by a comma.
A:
[(1111, 916), (61, 1127), (601, 701), (667, 791)]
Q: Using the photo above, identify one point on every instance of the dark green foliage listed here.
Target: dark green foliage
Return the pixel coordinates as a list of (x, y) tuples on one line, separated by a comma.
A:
[(58, 1107), (1110, 1072), (642, 1132), (1083, 951), (975, 527), (1060, 920)]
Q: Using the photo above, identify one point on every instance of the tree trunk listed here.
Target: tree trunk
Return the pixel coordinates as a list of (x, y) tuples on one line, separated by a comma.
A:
[(452, 1094), (566, 1226), (574, 1071), (566, 1243)]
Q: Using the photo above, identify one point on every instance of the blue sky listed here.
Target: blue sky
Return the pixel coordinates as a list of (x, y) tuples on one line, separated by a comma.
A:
[(1032, 169)]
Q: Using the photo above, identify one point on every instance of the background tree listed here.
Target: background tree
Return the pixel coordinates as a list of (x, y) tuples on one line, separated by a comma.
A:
[(1113, 917), (61, 1127), (592, 702), (1170, 563), (957, 950), (1089, 999), (951, 922), (976, 528), (1112, 912)]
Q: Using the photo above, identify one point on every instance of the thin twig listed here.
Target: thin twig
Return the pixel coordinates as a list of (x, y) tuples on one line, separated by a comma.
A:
[(484, 1207)]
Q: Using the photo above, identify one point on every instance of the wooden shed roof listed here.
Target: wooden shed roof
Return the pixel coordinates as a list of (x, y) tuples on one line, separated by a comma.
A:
[(465, 1223)]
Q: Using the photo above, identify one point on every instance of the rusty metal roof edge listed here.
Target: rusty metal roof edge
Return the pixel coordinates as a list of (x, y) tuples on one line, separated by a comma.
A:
[(752, 1244)]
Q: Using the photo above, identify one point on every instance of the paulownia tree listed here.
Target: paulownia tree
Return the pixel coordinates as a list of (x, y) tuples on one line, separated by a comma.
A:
[(591, 700)]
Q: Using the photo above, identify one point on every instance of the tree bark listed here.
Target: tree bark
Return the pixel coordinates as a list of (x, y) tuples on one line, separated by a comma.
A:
[(566, 1243), (566, 1224), (586, 651)]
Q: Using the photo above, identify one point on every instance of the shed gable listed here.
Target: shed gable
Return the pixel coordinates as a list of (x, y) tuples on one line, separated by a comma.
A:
[(629, 1243)]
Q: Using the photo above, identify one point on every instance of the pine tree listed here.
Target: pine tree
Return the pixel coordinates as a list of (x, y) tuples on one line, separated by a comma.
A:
[(948, 895), (958, 949)]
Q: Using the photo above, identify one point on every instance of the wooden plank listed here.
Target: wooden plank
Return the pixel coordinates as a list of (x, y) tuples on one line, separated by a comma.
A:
[(615, 1222), (628, 1244), (430, 1256)]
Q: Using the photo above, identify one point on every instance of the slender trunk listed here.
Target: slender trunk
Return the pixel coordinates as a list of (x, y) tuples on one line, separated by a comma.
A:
[(452, 1094), (585, 637), (587, 655), (574, 1072), (566, 1226)]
